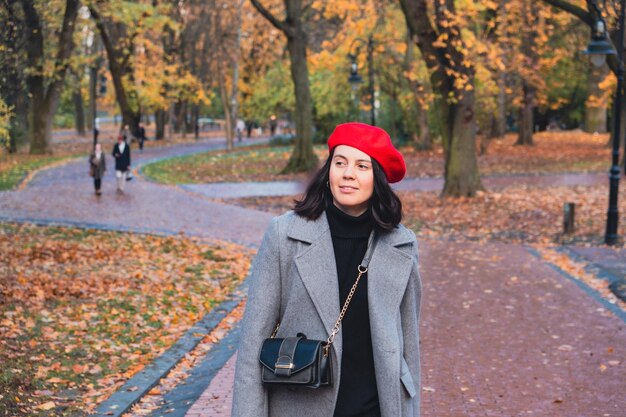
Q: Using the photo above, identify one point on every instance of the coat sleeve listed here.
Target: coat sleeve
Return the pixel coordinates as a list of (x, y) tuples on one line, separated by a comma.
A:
[(260, 318), (410, 324)]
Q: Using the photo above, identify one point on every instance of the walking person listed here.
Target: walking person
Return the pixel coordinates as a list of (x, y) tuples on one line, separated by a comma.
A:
[(121, 153), (342, 248), (125, 132), (273, 125), (97, 167), (142, 136), (240, 126)]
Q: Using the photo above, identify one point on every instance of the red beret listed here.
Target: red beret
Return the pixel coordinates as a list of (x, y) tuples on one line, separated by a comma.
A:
[(375, 142)]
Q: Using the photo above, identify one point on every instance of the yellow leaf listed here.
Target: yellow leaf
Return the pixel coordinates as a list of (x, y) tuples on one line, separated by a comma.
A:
[(47, 406)]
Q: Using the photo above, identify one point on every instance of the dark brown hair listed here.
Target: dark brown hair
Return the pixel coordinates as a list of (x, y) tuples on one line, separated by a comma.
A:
[(385, 205)]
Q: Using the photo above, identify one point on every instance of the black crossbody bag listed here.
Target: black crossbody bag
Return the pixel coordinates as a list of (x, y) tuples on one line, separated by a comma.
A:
[(299, 361)]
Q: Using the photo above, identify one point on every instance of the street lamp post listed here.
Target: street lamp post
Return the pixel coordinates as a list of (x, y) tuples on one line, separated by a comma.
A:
[(598, 49), (356, 79), (97, 91)]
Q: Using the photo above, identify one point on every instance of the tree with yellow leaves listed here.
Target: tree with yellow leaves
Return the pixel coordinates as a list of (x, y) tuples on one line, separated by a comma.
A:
[(437, 28), (303, 158)]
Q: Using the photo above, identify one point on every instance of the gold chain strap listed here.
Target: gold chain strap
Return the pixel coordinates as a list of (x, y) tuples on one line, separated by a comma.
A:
[(333, 333)]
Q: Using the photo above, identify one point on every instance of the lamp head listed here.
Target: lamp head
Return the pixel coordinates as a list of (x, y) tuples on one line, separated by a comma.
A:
[(599, 47)]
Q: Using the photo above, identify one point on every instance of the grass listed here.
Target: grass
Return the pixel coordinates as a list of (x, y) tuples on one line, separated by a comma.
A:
[(14, 168), (81, 311), (262, 163)]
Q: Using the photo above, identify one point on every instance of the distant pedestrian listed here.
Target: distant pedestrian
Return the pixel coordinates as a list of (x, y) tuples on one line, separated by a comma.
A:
[(142, 136), (249, 126), (97, 167), (121, 153), (240, 127), (273, 125), (96, 130), (126, 134), (342, 248)]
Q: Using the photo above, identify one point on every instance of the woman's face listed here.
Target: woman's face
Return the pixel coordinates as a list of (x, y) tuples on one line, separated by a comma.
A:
[(98, 147), (351, 180)]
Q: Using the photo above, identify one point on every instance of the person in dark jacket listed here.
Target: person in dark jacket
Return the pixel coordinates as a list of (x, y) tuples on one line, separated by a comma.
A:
[(121, 153), (97, 167), (142, 136), (306, 270)]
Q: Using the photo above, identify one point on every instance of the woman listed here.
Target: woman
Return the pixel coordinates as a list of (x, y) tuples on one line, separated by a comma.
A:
[(301, 277), (97, 167)]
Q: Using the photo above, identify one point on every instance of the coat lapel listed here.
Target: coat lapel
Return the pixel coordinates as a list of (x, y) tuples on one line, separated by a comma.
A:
[(387, 279), (318, 271)]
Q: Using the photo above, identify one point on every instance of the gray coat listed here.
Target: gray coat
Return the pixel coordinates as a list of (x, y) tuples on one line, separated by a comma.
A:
[(294, 281)]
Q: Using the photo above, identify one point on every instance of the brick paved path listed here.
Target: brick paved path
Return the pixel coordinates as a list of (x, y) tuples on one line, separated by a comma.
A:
[(65, 195), (503, 334)]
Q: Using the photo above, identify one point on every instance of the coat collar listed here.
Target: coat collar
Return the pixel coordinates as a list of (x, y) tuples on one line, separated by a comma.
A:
[(387, 276), (311, 230)]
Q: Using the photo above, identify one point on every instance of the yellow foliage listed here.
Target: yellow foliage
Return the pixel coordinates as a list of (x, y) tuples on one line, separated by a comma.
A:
[(6, 112)]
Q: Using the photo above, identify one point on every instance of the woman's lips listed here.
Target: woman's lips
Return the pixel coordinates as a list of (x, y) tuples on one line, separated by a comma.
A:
[(347, 189)]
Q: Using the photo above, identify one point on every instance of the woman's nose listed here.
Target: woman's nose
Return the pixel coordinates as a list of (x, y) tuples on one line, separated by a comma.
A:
[(348, 172)]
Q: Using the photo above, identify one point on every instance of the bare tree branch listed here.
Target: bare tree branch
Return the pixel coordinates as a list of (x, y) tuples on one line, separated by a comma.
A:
[(279, 24), (579, 12)]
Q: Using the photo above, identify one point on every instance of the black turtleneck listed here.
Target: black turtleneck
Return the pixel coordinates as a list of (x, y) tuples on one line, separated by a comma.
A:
[(358, 395)]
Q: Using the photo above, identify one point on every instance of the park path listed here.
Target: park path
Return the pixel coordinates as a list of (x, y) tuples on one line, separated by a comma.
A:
[(503, 333), (64, 195), (226, 190)]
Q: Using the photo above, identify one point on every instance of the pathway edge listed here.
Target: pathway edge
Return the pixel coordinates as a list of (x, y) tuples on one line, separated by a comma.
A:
[(142, 382)]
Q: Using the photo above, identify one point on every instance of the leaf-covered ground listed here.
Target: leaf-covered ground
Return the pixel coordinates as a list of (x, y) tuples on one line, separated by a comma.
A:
[(570, 151), (82, 310), (520, 214)]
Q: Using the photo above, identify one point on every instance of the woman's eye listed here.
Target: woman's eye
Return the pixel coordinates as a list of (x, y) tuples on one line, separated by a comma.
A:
[(363, 166)]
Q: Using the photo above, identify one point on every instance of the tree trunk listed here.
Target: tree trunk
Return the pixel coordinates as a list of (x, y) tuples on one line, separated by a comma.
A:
[(177, 122), (425, 138), (44, 99), (526, 119), (455, 100), (234, 102), (303, 158), (461, 166), (595, 106), (160, 118), (93, 81), (194, 120), (79, 111), (39, 123), (120, 65), (230, 135)]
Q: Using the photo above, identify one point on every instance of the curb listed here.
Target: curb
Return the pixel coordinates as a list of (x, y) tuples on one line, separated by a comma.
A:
[(180, 399), (142, 382), (617, 284), (587, 289)]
